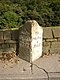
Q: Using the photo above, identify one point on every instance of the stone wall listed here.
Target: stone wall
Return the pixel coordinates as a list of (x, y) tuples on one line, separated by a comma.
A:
[(51, 40), (8, 41)]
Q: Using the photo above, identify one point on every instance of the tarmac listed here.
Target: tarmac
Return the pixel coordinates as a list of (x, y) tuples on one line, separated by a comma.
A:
[(45, 68)]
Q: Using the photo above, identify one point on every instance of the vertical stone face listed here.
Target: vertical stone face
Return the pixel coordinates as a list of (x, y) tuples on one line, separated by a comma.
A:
[(25, 42), (56, 32), (30, 41), (1, 35), (47, 33), (14, 35), (36, 42), (7, 35)]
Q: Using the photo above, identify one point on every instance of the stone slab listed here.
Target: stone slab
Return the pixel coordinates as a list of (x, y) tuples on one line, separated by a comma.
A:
[(7, 35), (56, 32), (46, 48), (12, 46), (55, 45), (54, 50), (14, 34), (22, 70), (55, 76), (1, 50), (5, 46), (1, 35), (58, 39), (46, 44), (50, 63), (30, 41), (47, 33), (0, 46), (1, 41)]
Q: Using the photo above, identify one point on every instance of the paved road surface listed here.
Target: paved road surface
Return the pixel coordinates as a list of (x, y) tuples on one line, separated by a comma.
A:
[(45, 68)]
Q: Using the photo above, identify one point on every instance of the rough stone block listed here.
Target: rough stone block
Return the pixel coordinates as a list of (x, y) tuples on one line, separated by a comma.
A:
[(13, 46), (1, 35), (0, 46), (55, 50), (59, 39), (1, 41), (47, 33), (46, 50), (5, 46), (1, 51), (7, 35), (55, 45), (56, 32), (46, 44), (30, 41), (10, 50), (14, 34)]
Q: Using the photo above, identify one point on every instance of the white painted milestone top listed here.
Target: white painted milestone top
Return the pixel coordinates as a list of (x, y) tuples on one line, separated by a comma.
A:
[(36, 43)]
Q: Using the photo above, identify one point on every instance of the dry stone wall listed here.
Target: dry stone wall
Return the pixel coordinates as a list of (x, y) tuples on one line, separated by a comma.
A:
[(51, 40), (10, 40)]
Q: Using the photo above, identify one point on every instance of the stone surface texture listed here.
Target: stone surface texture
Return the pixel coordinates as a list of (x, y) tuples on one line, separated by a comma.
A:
[(10, 41), (7, 44), (51, 39), (47, 33), (51, 35), (23, 71), (1, 35), (30, 41), (7, 35), (56, 32)]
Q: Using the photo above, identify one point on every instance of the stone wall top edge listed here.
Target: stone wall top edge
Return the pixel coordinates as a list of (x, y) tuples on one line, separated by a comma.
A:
[(9, 29), (52, 27)]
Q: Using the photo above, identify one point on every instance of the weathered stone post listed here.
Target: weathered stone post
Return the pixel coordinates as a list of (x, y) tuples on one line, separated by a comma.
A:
[(30, 41)]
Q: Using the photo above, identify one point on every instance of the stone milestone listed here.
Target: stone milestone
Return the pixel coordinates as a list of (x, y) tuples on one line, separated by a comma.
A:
[(30, 41)]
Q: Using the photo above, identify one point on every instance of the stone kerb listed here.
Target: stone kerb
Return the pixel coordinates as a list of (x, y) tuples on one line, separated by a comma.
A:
[(30, 41)]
